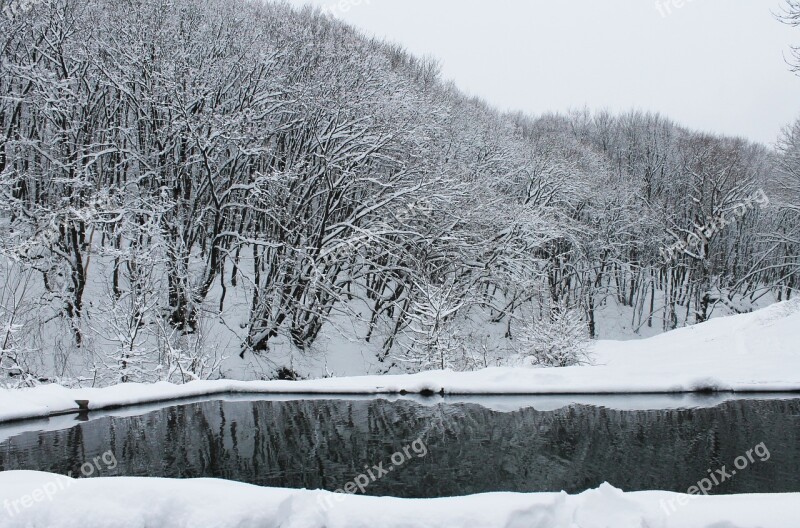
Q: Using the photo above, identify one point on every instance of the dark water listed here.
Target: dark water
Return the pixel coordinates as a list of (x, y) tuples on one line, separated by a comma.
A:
[(470, 449)]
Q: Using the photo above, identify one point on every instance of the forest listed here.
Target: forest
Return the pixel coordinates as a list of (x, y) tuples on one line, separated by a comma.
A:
[(188, 181)]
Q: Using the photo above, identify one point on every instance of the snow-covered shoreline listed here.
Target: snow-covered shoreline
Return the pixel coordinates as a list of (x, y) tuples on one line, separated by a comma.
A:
[(748, 353), (56, 502)]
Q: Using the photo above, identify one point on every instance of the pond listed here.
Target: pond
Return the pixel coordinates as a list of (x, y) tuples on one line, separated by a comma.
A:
[(447, 448)]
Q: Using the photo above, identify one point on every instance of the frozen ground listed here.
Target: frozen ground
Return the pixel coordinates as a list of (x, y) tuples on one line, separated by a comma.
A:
[(756, 352), (57, 502), (339, 351)]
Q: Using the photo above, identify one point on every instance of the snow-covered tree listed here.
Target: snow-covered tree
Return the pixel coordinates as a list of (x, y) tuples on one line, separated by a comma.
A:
[(559, 338)]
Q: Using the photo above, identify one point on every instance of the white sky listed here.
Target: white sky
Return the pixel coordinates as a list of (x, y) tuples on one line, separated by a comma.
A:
[(714, 65)]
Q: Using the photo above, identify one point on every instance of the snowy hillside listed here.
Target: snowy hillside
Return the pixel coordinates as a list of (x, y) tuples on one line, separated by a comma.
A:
[(274, 194)]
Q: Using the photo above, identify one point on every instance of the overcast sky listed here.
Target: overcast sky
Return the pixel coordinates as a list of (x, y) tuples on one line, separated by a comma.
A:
[(715, 65)]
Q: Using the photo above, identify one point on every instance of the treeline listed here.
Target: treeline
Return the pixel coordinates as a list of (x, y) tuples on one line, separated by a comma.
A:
[(162, 162)]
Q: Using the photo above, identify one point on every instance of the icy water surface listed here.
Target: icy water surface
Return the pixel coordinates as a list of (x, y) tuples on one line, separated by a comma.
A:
[(468, 448)]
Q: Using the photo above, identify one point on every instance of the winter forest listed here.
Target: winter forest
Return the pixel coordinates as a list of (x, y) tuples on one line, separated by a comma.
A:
[(198, 189)]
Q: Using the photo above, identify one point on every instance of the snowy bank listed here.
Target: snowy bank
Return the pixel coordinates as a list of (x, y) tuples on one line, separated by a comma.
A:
[(756, 352), (33, 500)]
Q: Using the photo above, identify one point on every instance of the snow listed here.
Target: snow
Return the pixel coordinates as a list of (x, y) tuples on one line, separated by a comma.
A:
[(755, 352), (58, 502)]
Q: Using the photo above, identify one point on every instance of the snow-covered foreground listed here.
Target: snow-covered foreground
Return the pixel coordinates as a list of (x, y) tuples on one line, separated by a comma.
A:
[(57, 502), (756, 352)]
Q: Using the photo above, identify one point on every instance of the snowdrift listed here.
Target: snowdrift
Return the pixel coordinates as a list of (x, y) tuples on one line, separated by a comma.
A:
[(58, 502)]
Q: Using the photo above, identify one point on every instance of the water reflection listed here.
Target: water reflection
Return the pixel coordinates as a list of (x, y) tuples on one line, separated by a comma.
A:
[(471, 449)]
